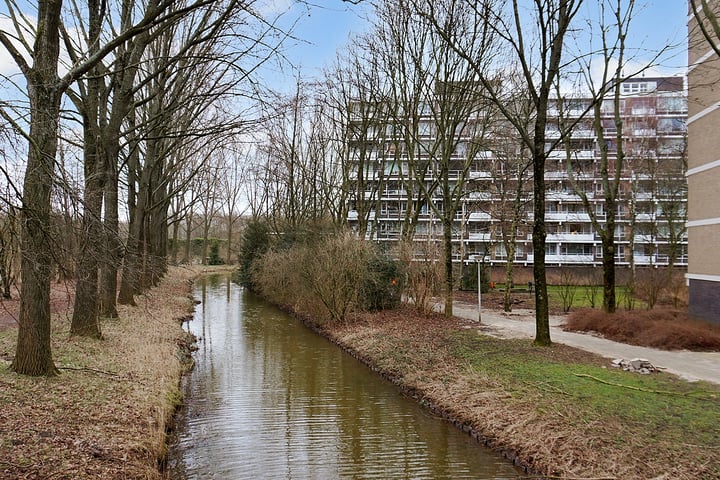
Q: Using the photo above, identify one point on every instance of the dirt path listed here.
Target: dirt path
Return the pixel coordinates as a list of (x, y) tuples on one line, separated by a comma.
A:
[(692, 366)]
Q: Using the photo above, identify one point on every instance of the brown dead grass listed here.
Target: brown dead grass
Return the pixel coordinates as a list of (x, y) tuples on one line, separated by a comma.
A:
[(539, 424), (661, 328), (106, 415)]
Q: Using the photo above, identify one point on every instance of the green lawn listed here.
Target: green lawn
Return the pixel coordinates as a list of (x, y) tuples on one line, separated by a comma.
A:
[(582, 296), (664, 413)]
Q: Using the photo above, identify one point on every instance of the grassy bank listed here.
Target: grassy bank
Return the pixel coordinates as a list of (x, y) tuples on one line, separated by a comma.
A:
[(106, 414), (559, 411)]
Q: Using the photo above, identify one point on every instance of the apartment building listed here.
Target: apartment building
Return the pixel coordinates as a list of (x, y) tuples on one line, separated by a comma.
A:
[(496, 204), (703, 176)]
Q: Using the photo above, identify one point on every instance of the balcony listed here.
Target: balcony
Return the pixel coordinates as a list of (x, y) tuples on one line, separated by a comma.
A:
[(651, 259), (571, 237), (643, 132), (393, 194), (479, 237), (556, 175), (565, 259), (567, 217), (479, 175), (478, 217), (563, 196), (644, 239), (643, 111), (583, 132)]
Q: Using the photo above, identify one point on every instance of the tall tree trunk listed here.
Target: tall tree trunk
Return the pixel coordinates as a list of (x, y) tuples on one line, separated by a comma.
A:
[(448, 260), (175, 233), (228, 260), (608, 260), (132, 265), (113, 245), (542, 314), (86, 306), (33, 355), (188, 238)]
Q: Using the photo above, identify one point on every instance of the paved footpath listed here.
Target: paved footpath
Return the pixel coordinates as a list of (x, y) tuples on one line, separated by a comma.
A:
[(691, 366)]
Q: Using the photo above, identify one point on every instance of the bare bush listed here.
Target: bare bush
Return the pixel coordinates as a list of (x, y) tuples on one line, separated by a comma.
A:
[(335, 271), (323, 279), (591, 284), (649, 283), (277, 277), (424, 275), (567, 290), (667, 329), (676, 291)]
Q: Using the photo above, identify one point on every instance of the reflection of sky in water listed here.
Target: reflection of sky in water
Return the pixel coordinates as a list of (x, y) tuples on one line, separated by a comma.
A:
[(270, 399)]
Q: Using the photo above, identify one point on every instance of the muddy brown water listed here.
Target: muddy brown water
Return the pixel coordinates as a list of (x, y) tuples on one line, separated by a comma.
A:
[(268, 398)]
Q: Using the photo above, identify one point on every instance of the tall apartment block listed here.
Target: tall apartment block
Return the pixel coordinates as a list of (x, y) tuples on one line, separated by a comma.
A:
[(651, 215), (703, 175)]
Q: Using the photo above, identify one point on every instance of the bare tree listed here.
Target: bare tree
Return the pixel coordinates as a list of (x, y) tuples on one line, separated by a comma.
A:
[(611, 169), (532, 38), (45, 88), (510, 195), (607, 121), (231, 184)]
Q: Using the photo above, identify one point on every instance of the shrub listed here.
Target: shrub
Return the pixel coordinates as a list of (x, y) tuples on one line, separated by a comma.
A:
[(214, 256), (383, 284), (424, 276), (469, 278), (327, 277), (668, 329), (254, 244), (567, 288)]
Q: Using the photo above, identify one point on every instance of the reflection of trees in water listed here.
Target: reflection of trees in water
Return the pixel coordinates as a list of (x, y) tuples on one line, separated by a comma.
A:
[(271, 392)]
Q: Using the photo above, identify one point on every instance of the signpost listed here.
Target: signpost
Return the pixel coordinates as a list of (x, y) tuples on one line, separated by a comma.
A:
[(479, 259)]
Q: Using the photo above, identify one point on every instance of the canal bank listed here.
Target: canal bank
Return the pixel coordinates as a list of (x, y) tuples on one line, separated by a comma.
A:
[(559, 412), (106, 414), (269, 398)]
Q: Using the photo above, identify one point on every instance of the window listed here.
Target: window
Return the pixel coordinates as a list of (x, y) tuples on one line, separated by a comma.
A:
[(672, 105), (671, 125)]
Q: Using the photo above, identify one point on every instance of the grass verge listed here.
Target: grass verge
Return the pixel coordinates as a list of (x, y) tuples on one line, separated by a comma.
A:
[(105, 416), (558, 410)]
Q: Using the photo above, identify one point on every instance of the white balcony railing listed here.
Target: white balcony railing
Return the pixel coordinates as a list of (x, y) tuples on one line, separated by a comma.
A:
[(571, 237), (574, 259), (567, 217), (479, 237)]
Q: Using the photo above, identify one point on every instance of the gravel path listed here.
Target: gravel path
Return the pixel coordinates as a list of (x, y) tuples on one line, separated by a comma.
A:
[(692, 366)]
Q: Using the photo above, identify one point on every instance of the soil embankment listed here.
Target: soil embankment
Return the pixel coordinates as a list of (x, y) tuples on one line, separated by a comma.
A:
[(106, 415), (559, 411)]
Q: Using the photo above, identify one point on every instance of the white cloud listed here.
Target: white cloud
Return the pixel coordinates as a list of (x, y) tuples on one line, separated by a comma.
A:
[(271, 8), (8, 66)]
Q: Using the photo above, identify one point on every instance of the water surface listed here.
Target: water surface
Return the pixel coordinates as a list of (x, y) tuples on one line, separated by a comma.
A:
[(270, 399)]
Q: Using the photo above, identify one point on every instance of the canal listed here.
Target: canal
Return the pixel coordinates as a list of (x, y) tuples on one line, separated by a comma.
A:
[(270, 399)]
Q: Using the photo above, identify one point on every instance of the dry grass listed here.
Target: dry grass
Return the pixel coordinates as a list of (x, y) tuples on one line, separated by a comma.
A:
[(528, 402), (662, 328), (106, 415)]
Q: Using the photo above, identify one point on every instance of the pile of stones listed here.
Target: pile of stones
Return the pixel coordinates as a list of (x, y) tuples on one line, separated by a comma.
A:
[(636, 365)]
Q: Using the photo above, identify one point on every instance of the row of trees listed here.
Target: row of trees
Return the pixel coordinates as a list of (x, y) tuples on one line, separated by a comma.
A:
[(138, 97), (141, 95), (426, 92)]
